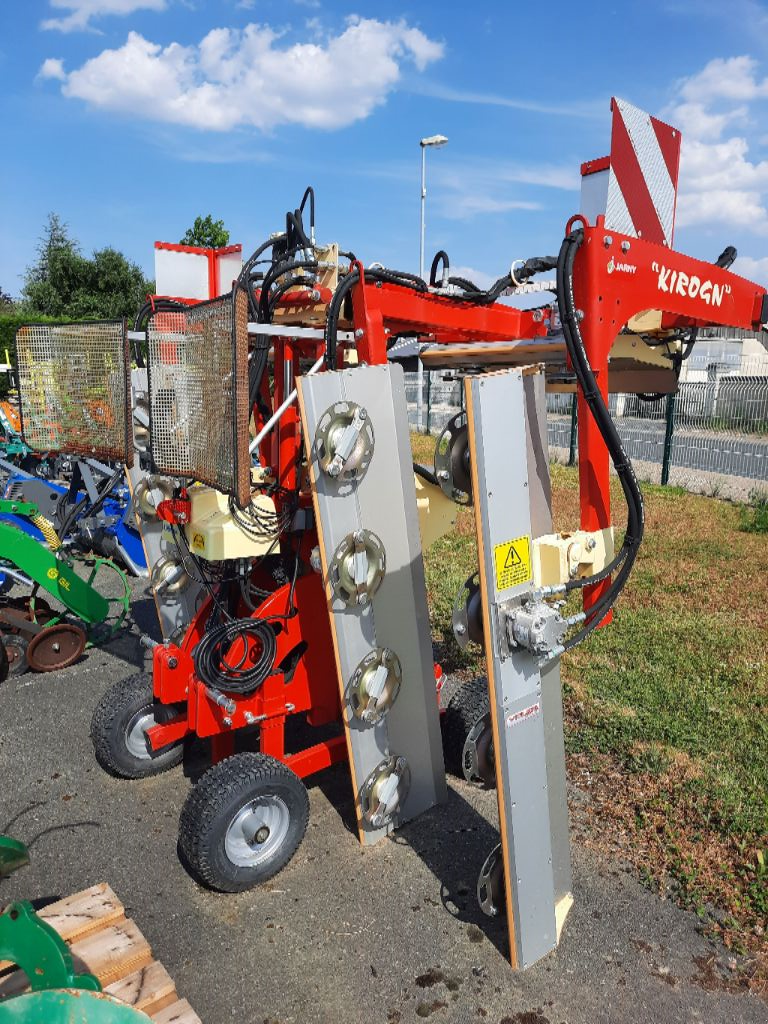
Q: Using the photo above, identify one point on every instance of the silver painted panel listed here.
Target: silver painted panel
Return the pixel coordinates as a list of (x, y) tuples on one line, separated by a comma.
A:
[(384, 502), (512, 501)]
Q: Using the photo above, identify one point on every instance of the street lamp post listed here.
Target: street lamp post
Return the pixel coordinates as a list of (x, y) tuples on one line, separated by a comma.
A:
[(431, 141)]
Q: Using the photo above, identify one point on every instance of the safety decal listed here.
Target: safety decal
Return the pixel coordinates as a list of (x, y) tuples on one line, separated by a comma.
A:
[(522, 716), (512, 561)]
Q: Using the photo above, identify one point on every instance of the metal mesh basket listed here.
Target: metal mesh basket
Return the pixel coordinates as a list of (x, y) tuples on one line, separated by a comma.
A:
[(198, 392), (74, 388)]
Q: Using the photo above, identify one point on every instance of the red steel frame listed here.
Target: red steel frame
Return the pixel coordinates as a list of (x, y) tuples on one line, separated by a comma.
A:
[(615, 277)]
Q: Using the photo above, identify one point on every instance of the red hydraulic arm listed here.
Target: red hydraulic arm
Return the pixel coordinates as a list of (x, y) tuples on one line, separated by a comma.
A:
[(615, 277)]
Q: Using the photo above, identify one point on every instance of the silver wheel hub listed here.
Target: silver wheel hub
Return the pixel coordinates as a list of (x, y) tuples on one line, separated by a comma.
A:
[(136, 734), (257, 831)]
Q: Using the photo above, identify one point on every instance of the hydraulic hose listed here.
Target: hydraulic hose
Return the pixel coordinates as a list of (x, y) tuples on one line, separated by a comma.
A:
[(598, 409), (244, 677), (343, 288)]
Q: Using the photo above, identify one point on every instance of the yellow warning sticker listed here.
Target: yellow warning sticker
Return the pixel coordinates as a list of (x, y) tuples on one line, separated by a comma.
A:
[(512, 561)]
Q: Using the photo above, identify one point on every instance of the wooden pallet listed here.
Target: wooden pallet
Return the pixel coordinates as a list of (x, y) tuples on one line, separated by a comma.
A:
[(104, 942)]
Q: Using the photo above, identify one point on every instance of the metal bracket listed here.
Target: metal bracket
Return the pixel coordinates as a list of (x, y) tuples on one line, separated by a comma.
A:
[(344, 440), (384, 791), (33, 945)]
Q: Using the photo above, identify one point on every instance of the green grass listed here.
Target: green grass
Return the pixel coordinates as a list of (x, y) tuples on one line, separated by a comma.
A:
[(753, 518), (668, 706)]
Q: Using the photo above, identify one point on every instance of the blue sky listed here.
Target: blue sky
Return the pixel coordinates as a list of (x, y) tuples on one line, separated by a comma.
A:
[(130, 117)]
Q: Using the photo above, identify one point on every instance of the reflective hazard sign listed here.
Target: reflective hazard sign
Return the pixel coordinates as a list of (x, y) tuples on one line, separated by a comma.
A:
[(512, 562)]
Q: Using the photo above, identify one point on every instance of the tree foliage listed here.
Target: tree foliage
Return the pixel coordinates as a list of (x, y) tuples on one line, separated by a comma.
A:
[(207, 233), (6, 301), (64, 283)]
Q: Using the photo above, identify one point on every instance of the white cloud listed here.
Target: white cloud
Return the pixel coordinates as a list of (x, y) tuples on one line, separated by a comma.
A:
[(473, 188), (463, 205), (82, 11), (753, 269), (721, 182), (587, 109), (52, 68), (237, 78), (731, 78)]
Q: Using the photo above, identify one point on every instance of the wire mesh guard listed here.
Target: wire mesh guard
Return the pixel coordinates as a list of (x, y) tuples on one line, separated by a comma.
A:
[(198, 391), (74, 388)]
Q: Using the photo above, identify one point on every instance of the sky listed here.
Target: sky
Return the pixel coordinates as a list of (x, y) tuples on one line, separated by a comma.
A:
[(129, 118)]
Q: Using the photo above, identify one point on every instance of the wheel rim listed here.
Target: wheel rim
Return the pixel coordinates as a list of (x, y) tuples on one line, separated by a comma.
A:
[(257, 831), (136, 733)]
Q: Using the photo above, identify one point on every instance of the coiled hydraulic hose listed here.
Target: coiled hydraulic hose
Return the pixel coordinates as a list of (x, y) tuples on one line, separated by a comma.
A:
[(244, 677)]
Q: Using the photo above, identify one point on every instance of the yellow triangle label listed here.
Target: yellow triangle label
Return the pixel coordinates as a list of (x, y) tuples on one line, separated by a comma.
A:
[(512, 558), (512, 563)]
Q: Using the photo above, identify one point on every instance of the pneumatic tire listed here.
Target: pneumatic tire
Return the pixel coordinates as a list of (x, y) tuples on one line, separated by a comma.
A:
[(467, 735), (242, 822), (118, 730)]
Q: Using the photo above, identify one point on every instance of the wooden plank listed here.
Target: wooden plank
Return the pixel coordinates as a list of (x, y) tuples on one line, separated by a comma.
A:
[(179, 1012), (85, 912), (104, 942), (150, 989), (505, 353), (112, 952), (79, 915)]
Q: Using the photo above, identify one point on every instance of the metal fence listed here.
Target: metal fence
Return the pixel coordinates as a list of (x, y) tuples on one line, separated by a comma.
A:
[(711, 437)]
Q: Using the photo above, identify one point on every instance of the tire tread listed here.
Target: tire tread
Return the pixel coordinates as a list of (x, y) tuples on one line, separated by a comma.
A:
[(106, 713), (220, 784), (468, 704)]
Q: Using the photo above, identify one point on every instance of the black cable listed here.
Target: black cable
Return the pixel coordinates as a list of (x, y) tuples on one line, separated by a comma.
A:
[(81, 508), (244, 677), (345, 285), (270, 278), (149, 308), (441, 256), (309, 193), (425, 474), (626, 556)]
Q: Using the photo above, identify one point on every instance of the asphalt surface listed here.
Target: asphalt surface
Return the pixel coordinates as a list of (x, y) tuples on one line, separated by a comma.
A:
[(390, 934)]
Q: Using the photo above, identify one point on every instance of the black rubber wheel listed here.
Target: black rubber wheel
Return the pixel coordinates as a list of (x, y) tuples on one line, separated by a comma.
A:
[(3, 664), (118, 729), (242, 822), (463, 713), (15, 651)]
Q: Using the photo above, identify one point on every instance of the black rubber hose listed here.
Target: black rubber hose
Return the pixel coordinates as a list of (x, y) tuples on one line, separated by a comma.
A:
[(425, 474), (440, 257), (345, 285), (216, 643), (281, 289), (309, 193), (272, 275), (599, 411)]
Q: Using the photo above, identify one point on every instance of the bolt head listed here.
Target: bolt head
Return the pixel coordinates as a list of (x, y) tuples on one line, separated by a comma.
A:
[(359, 333)]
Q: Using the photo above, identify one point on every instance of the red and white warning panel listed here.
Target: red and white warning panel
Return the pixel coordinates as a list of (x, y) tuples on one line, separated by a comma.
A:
[(195, 274), (636, 187)]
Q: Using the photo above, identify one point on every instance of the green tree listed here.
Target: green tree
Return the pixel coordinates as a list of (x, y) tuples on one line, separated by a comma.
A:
[(207, 233), (54, 239), (65, 284)]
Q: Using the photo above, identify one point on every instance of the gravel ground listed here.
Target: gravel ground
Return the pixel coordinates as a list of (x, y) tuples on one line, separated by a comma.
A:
[(389, 934)]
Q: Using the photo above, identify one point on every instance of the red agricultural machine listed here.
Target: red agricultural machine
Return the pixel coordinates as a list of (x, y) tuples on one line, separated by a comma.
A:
[(285, 522)]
